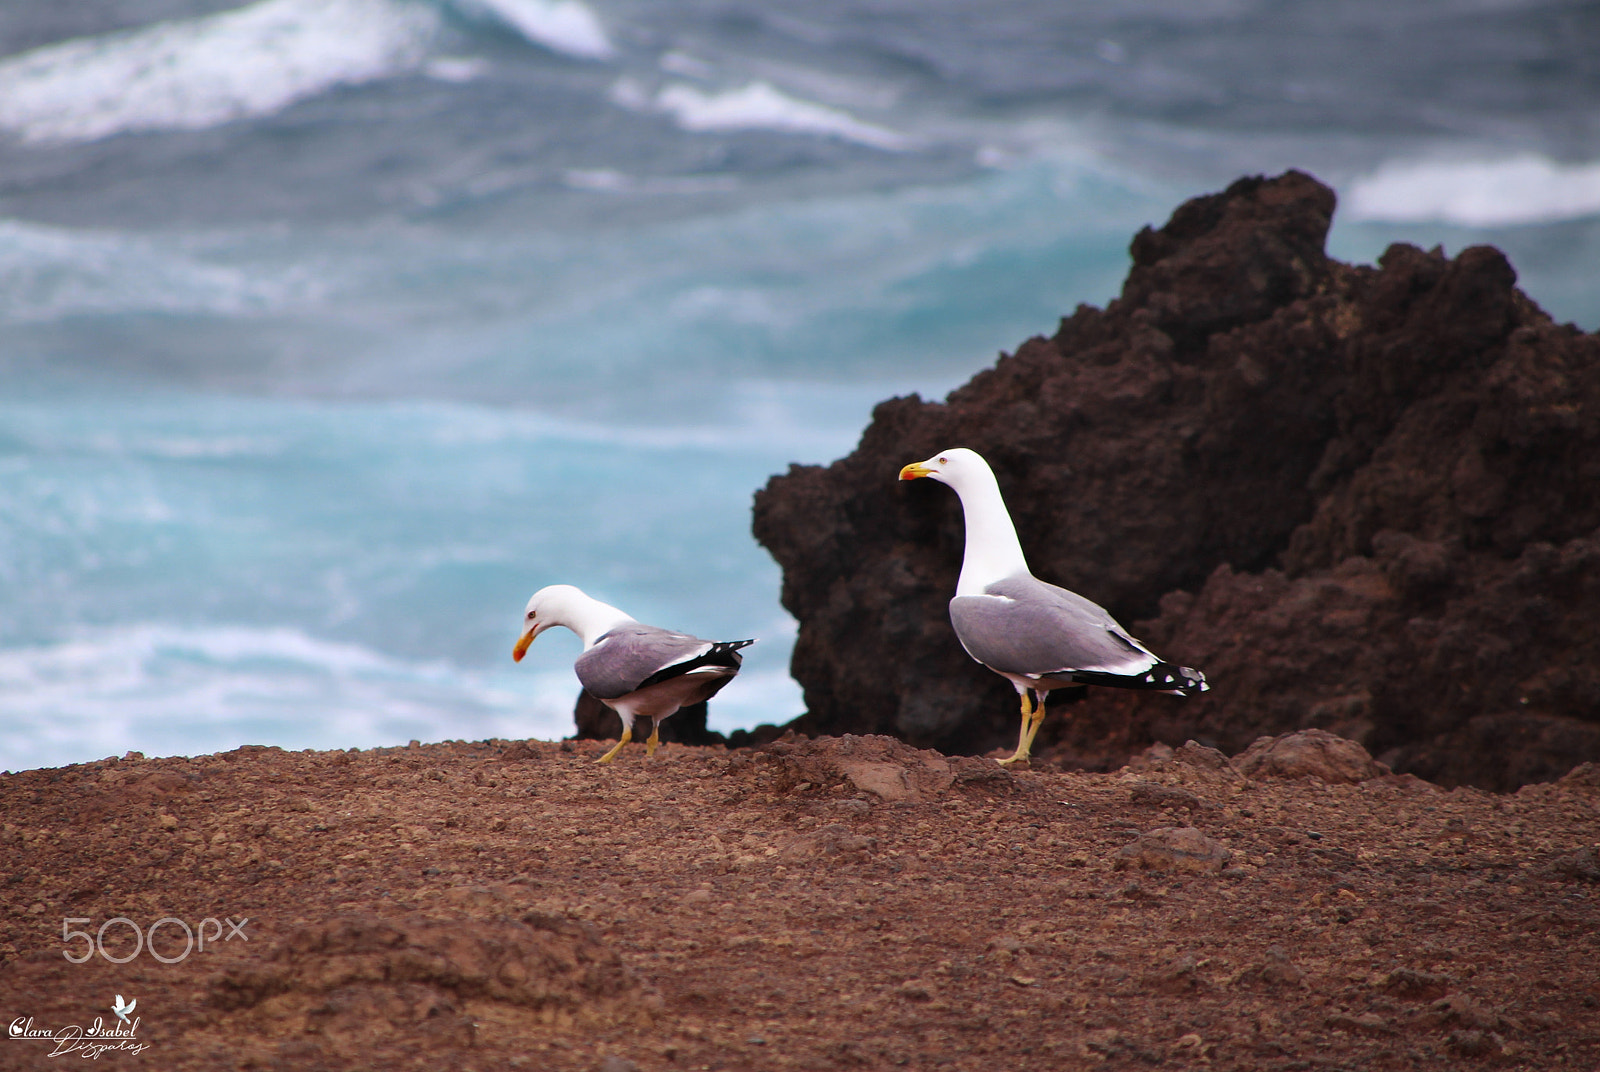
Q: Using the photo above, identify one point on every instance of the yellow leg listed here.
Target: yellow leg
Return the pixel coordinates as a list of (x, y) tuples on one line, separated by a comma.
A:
[(1033, 730), (627, 735), (654, 742), (1024, 738)]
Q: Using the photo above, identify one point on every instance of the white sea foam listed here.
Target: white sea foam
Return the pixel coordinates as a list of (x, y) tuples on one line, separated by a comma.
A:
[(190, 74), (761, 106), (567, 26), (164, 689), (1517, 190)]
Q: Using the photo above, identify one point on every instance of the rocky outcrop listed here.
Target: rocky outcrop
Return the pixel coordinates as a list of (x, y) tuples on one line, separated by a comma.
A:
[(1360, 498)]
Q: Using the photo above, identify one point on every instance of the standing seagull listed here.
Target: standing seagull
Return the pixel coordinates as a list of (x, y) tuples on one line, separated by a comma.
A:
[(632, 668), (1035, 635)]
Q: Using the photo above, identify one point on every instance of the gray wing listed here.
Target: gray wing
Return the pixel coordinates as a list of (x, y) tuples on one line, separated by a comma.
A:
[(1021, 625), (627, 656)]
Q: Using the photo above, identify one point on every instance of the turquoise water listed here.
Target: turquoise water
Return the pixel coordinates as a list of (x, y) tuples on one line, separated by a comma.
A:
[(338, 328)]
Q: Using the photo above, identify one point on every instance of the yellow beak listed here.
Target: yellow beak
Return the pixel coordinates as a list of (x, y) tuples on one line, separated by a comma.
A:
[(522, 646), (915, 470)]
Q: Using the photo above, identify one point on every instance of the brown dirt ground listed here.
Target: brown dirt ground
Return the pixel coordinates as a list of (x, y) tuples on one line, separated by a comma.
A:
[(839, 903)]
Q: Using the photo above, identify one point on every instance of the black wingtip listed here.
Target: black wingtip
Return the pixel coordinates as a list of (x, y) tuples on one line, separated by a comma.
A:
[(1185, 680), (1162, 677), (723, 653)]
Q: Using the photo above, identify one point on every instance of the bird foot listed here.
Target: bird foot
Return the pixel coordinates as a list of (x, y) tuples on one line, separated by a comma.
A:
[(627, 735), (1032, 715)]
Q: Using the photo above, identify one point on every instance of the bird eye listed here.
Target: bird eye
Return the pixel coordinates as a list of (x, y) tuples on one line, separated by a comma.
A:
[(944, 461), (531, 615)]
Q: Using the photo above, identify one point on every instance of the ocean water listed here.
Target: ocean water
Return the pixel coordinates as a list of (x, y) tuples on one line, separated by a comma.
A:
[(332, 329)]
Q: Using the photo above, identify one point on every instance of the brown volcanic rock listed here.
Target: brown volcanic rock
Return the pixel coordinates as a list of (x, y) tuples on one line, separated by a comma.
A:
[(1309, 753), (1358, 498), (1173, 848), (1489, 681)]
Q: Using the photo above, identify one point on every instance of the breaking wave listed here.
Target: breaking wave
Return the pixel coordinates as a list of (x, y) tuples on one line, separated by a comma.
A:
[(565, 26), (758, 106), (191, 74), (1519, 190)]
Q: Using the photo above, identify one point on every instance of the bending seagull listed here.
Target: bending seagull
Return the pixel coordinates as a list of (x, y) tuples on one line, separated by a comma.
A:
[(1035, 635), (632, 668)]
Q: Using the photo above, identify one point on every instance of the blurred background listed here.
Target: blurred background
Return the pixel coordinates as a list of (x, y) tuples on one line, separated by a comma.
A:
[(332, 329)]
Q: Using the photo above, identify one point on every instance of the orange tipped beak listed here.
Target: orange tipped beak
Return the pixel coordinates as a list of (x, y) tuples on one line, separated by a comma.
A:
[(522, 646), (915, 470)]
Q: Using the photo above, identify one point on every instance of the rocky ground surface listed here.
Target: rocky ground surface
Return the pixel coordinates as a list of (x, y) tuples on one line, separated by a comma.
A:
[(813, 904)]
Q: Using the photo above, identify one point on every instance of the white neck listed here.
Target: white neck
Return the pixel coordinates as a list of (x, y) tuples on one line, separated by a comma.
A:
[(590, 618), (992, 552)]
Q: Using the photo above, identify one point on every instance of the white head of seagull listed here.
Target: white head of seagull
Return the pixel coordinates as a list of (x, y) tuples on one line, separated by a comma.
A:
[(993, 552), (563, 604)]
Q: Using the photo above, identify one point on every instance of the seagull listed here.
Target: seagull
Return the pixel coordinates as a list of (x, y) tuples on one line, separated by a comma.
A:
[(123, 1008), (1035, 635), (632, 668)]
